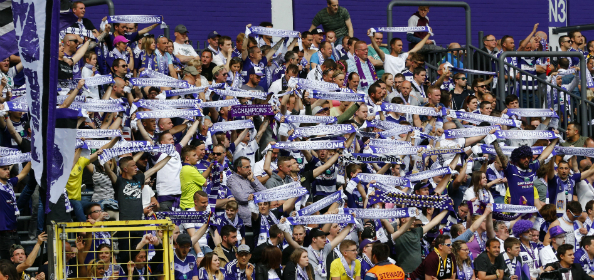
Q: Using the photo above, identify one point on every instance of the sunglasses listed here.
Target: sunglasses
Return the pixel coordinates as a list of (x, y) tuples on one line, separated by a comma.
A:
[(483, 86), (217, 154), (448, 244), (463, 79)]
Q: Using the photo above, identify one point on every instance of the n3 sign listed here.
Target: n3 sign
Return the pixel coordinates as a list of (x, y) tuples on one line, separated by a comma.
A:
[(557, 13)]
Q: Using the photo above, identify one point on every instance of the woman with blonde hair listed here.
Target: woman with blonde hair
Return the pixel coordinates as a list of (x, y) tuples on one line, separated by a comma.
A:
[(96, 269), (147, 59)]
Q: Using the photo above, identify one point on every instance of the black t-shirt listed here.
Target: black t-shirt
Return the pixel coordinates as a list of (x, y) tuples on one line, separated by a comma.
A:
[(207, 71), (482, 263), (65, 70), (458, 99), (129, 196)]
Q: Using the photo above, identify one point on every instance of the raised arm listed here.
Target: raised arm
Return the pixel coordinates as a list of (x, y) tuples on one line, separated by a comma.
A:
[(157, 167), (147, 29), (80, 53), (13, 133), (72, 94), (341, 236), (478, 221), (320, 169), (261, 130), (24, 172), (525, 41), (244, 50), (143, 132), (419, 45), (189, 134), (379, 52), (274, 48), (547, 151), (435, 221), (403, 228), (33, 255), (446, 178), (110, 173), (502, 157)]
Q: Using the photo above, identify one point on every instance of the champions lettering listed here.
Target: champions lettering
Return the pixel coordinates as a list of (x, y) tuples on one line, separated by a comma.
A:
[(327, 129), (309, 145), (428, 174), (523, 134), (469, 132), (135, 19), (322, 219), (473, 116)]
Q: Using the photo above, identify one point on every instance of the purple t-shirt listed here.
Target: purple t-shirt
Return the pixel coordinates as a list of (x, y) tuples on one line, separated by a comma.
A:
[(248, 64), (8, 219), (521, 182)]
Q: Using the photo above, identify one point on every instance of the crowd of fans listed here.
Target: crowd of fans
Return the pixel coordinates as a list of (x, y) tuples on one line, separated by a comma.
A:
[(242, 240)]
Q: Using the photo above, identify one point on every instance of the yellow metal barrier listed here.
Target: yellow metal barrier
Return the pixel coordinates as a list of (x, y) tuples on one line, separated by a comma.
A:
[(130, 232)]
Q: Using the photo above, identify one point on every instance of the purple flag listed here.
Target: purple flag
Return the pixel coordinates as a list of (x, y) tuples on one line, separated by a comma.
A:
[(36, 27), (251, 110)]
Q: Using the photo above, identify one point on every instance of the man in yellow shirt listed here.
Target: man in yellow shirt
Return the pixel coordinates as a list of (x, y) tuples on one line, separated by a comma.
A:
[(347, 267), (73, 186), (190, 178)]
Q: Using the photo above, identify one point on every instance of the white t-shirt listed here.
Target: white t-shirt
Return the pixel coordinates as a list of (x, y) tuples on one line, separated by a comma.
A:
[(258, 168), (248, 151), (9, 77), (183, 49), (147, 194), (168, 177), (395, 64)]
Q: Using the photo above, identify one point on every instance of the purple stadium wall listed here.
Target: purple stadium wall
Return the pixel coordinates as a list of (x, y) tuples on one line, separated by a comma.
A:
[(503, 17)]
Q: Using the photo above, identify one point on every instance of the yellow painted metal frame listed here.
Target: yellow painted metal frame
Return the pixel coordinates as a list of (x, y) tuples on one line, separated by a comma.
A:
[(62, 229)]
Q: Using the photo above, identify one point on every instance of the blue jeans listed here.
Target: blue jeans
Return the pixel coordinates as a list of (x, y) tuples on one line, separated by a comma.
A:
[(79, 211)]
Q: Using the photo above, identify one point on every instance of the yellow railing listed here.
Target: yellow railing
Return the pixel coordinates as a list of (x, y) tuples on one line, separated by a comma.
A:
[(61, 233)]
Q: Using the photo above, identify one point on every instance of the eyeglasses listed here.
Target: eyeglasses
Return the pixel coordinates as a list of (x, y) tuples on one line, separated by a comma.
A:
[(491, 40), (96, 211), (245, 167), (574, 216), (217, 154), (123, 65), (74, 40), (448, 244)]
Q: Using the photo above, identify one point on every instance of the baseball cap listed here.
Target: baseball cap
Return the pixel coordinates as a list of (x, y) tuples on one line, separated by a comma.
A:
[(183, 238), (180, 28), (217, 69), (243, 249), (317, 31), (119, 39), (366, 242), (192, 70), (556, 231), (254, 70), (317, 232), (421, 185), (318, 109), (213, 34)]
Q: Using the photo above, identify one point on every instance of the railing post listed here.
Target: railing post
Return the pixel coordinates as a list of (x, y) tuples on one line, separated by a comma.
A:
[(481, 34), (501, 78), (583, 93)]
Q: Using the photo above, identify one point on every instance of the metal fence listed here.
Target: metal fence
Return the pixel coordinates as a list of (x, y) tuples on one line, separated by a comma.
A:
[(87, 262)]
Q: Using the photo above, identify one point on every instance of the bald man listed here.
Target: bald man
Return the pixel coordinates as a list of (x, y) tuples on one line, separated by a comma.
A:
[(165, 124), (405, 89), (444, 82), (75, 54), (117, 90), (453, 56)]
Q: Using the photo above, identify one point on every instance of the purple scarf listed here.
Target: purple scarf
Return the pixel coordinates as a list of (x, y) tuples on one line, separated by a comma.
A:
[(362, 74)]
